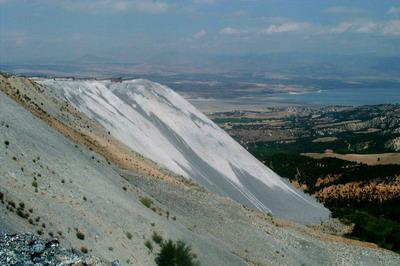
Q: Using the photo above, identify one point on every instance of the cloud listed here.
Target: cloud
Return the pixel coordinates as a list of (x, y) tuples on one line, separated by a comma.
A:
[(356, 27), (344, 10), (367, 27), (285, 27), (392, 28), (208, 2), (394, 10), (145, 6), (200, 34), (342, 27), (231, 31), (386, 28), (240, 13)]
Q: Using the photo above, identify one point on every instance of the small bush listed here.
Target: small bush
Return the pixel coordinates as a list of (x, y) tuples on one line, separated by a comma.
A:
[(146, 201), (11, 203), (21, 214), (178, 254), (7, 143), (84, 250), (34, 184), (157, 238), (148, 244), (80, 235), (129, 235)]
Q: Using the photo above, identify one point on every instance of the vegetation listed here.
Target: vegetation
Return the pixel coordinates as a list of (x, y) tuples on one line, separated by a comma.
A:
[(157, 238), (84, 250), (372, 228), (149, 245), (346, 142), (80, 235), (176, 254), (34, 184), (146, 201), (129, 235), (374, 221)]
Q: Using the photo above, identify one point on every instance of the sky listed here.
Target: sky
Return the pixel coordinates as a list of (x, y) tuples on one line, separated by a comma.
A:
[(132, 30)]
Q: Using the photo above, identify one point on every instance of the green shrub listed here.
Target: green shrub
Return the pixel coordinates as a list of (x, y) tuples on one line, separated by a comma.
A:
[(84, 250), (80, 235), (129, 235), (176, 254), (148, 244), (157, 238), (146, 201)]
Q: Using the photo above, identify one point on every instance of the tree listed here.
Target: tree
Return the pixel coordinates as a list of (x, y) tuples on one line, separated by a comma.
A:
[(176, 254)]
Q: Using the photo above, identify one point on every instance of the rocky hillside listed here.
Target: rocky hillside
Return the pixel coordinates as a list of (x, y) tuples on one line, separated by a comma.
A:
[(63, 176)]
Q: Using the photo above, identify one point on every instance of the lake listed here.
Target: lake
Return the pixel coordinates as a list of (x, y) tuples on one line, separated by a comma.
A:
[(345, 96)]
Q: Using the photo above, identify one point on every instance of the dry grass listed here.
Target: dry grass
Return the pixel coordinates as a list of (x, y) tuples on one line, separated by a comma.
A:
[(370, 159)]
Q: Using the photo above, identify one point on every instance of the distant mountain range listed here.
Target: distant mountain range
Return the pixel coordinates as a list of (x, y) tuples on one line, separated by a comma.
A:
[(288, 64)]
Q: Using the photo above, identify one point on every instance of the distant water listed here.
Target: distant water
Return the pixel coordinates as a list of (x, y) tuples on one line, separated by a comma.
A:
[(345, 96)]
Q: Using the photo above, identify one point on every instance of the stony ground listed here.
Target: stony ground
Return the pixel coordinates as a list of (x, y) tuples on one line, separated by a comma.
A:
[(27, 249)]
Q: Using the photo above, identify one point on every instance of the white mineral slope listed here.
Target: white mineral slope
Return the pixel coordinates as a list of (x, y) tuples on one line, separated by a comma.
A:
[(158, 123)]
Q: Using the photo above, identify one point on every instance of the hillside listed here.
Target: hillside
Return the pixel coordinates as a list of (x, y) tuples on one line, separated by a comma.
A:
[(158, 123), (59, 177)]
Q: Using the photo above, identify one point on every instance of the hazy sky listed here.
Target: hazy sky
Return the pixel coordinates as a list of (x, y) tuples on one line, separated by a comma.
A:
[(128, 30)]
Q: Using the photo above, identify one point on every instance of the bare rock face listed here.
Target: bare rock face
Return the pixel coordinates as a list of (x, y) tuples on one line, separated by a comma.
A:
[(28, 249)]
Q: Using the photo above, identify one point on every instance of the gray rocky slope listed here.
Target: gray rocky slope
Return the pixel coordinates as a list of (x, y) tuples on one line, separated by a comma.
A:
[(28, 249), (160, 124), (56, 187)]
